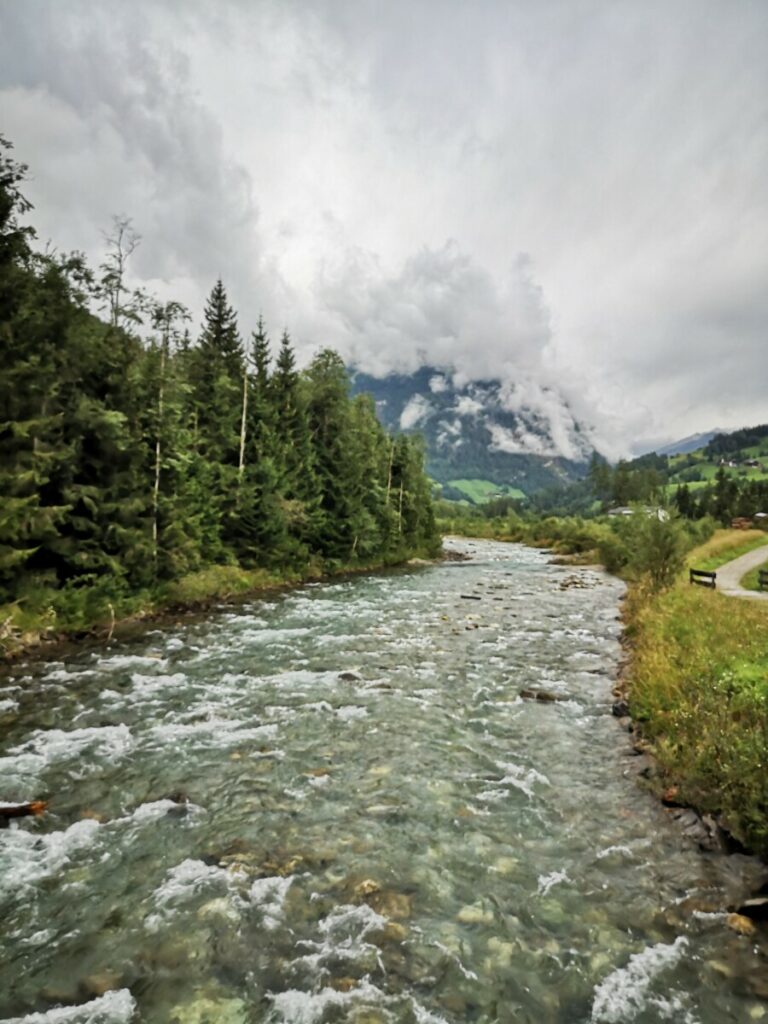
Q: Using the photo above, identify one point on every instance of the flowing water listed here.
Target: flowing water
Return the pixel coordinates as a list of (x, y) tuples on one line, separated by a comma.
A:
[(332, 805)]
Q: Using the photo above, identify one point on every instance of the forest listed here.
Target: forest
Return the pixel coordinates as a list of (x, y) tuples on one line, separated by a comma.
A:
[(134, 452)]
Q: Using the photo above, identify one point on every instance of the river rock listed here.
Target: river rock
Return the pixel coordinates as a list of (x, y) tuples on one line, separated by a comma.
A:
[(740, 924), (349, 677), (391, 904), (501, 953), (343, 984), (474, 914), (395, 932), (210, 1011), (620, 709), (546, 696), (366, 888), (102, 981), (218, 909)]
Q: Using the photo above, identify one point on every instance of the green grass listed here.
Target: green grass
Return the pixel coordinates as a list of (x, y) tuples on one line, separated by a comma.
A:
[(480, 491), (724, 546), (750, 581), (698, 691)]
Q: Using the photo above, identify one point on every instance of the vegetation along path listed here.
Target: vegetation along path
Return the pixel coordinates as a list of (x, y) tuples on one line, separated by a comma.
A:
[(730, 575)]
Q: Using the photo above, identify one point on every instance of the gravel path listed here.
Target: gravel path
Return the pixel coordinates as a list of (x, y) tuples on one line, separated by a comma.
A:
[(729, 576)]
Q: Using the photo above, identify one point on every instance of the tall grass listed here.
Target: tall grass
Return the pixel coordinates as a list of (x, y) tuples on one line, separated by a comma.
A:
[(698, 689)]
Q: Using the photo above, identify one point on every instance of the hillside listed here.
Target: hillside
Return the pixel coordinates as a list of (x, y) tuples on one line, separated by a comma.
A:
[(742, 454), (478, 445)]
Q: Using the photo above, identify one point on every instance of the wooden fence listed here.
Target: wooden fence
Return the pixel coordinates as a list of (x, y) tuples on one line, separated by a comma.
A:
[(702, 578)]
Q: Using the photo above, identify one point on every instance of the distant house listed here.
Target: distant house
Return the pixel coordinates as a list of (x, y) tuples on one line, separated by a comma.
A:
[(649, 510)]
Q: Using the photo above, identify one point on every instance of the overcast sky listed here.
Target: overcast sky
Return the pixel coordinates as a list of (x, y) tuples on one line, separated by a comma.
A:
[(568, 195)]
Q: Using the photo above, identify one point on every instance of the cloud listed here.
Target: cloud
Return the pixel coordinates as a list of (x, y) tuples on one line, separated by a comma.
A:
[(414, 412), (572, 197), (440, 307)]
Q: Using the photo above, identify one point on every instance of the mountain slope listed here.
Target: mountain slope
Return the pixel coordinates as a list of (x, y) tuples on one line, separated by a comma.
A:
[(688, 444), (481, 432)]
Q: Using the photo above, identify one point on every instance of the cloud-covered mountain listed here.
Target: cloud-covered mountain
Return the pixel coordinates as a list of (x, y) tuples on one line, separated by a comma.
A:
[(521, 436)]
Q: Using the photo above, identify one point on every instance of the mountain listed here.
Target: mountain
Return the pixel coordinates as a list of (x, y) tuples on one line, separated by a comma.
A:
[(482, 437), (689, 444)]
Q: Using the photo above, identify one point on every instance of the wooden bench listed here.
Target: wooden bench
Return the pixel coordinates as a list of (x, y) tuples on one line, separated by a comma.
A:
[(702, 578), (762, 579)]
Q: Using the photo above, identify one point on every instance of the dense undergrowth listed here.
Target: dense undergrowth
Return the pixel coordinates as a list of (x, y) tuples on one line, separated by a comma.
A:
[(697, 678)]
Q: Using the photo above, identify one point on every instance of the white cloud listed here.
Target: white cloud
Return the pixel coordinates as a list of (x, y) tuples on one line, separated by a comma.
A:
[(468, 406), (414, 412), (371, 178)]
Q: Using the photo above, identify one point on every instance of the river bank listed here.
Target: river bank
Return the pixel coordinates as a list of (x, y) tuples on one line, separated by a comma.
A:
[(333, 801), (43, 633)]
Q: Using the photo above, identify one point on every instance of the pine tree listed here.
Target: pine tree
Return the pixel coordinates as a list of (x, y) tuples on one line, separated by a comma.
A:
[(217, 369)]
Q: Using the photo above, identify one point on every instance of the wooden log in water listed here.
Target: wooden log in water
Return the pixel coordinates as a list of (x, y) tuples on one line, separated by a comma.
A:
[(34, 807)]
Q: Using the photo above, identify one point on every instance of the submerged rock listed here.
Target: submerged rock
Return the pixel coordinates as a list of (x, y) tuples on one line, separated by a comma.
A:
[(101, 982), (391, 904), (546, 696), (206, 1010), (740, 924), (474, 914)]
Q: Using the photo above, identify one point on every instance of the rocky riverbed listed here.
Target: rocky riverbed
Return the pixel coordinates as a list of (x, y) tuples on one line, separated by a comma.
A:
[(334, 804)]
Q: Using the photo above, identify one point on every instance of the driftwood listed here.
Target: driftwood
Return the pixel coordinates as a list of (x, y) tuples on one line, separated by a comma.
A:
[(8, 811)]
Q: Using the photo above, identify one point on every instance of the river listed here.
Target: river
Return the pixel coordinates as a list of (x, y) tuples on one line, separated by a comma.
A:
[(331, 804)]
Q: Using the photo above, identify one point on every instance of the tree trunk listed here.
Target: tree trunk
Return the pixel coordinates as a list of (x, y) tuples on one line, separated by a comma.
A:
[(158, 453), (241, 464)]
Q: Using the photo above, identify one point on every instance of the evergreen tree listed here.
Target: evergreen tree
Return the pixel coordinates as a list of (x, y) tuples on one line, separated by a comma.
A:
[(297, 482), (217, 374), (127, 462)]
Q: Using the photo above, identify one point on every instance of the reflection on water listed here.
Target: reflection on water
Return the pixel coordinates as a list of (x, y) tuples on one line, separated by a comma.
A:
[(332, 805)]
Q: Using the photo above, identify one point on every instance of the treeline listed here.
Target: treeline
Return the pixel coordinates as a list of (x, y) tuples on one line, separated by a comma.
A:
[(726, 444), (646, 480), (132, 453)]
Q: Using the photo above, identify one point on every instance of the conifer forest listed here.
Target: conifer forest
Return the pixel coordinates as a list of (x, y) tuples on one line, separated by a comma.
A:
[(136, 450)]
